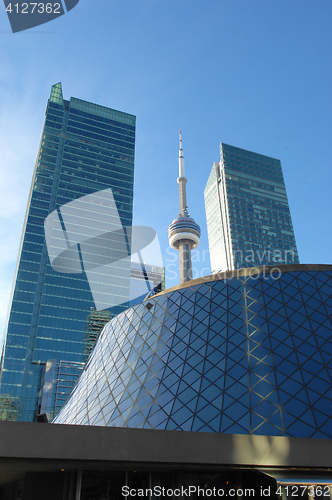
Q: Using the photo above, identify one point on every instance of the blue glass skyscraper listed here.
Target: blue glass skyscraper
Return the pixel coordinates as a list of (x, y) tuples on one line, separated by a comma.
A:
[(247, 212), (85, 148)]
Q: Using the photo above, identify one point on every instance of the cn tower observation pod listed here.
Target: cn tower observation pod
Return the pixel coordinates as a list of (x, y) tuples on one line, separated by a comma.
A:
[(242, 352), (184, 228)]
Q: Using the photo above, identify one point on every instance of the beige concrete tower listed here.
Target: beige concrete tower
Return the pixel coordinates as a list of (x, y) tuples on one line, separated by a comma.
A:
[(183, 233)]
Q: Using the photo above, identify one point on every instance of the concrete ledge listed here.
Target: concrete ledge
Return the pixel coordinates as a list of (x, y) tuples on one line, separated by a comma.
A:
[(22, 441)]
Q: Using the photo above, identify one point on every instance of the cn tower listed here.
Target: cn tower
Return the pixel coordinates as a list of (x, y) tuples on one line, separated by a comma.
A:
[(183, 233)]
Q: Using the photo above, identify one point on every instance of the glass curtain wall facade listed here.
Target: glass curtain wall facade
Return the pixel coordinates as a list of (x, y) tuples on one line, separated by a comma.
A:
[(247, 212), (85, 148), (95, 322), (245, 352), (144, 279)]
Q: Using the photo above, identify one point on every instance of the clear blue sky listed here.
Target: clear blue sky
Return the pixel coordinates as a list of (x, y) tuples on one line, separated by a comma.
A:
[(255, 74)]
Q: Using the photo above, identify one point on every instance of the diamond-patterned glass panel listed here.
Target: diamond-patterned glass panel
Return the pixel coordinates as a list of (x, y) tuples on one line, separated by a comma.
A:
[(245, 355)]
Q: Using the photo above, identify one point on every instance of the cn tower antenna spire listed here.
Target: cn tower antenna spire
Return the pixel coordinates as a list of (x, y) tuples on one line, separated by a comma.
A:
[(183, 233), (182, 181), (181, 159)]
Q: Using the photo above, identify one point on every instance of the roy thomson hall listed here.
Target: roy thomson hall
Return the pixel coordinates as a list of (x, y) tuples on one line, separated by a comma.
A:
[(221, 384)]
